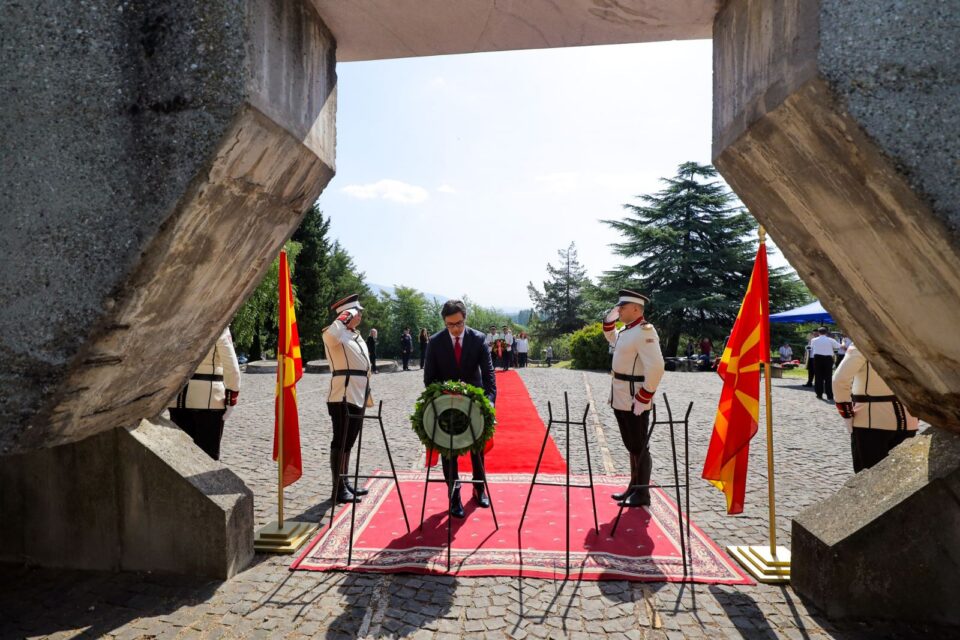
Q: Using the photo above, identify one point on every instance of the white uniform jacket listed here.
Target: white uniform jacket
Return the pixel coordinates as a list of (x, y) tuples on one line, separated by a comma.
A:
[(874, 405), (349, 365), (218, 371), (636, 352)]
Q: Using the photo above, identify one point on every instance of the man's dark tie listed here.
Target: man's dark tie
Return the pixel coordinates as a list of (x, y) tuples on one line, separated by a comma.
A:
[(456, 349)]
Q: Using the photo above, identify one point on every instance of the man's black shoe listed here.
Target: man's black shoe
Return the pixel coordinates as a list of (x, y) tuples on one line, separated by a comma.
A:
[(481, 497), (620, 496), (819, 396), (456, 507), (639, 498), (806, 385)]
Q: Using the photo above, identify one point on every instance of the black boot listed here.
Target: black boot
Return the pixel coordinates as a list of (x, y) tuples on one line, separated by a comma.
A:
[(456, 507), (345, 473), (640, 497), (341, 495), (633, 479)]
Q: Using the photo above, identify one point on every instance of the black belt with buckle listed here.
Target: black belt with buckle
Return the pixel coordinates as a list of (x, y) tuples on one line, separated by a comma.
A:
[(349, 372), (208, 377), (627, 377), (857, 398)]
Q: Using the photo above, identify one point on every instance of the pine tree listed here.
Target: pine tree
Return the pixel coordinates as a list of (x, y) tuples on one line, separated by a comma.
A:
[(311, 281), (560, 306), (690, 247)]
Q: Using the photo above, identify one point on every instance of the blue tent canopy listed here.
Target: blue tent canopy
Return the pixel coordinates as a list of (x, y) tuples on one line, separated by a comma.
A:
[(813, 312)]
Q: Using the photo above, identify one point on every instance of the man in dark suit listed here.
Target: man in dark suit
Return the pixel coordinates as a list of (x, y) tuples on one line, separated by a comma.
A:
[(459, 353)]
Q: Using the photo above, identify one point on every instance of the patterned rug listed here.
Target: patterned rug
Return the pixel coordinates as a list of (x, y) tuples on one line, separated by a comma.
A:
[(646, 546)]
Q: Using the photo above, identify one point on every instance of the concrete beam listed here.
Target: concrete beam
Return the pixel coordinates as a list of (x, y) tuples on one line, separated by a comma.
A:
[(156, 156), (838, 125), (126, 499), (379, 29), (886, 545)]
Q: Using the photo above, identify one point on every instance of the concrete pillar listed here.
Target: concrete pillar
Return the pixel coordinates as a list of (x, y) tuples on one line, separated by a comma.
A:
[(887, 545), (126, 499), (156, 156), (837, 122)]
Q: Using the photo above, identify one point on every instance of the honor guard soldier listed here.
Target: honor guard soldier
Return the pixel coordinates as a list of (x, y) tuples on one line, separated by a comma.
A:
[(876, 420), (211, 393), (349, 391), (637, 369)]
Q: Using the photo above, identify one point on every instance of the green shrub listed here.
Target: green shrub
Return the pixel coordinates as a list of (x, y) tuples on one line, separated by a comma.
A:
[(589, 348)]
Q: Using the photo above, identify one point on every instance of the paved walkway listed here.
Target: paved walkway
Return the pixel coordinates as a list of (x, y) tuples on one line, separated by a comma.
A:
[(268, 601)]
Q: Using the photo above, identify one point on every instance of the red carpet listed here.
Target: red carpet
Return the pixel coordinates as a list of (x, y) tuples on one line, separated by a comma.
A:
[(646, 547), (519, 435)]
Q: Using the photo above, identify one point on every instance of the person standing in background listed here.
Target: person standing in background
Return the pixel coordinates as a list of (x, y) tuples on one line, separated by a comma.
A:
[(809, 356), (423, 338), (822, 349), (522, 346), (372, 349), (406, 348)]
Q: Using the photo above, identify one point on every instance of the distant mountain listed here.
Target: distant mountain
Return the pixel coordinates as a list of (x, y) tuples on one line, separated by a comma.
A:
[(389, 291), (513, 312)]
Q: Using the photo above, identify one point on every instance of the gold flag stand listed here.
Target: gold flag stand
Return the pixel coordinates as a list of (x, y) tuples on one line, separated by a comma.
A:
[(767, 564), (281, 536)]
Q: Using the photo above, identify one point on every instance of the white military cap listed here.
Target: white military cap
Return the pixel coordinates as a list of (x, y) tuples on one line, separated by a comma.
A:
[(350, 302), (627, 296)]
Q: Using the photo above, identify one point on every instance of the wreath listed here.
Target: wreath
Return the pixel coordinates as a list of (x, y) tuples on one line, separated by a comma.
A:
[(498, 347), (453, 419)]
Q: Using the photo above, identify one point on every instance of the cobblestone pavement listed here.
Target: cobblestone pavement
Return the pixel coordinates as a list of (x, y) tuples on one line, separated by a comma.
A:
[(268, 601)]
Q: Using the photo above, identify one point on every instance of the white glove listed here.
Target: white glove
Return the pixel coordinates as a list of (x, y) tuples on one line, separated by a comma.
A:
[(849, 423), (639, 407), (227, 412), (612, 315)]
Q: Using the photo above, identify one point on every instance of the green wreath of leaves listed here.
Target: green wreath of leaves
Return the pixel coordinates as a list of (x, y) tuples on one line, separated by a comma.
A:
[(438, 389)]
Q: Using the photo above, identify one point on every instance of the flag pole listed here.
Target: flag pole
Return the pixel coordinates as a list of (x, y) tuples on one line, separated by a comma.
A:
[(280, 380), (281, 536), (769, 412), (769, 564)]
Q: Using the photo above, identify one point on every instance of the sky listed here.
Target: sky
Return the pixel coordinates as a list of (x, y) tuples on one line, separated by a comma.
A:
[(464, 175)]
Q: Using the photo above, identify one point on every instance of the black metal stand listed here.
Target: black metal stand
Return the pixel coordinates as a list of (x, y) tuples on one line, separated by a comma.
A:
[(677, 485), (533, 482), (357, 477), (453, 486)]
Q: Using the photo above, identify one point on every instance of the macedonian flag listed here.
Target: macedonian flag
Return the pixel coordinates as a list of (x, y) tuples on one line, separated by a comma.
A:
[(288, 346), (739, 408)]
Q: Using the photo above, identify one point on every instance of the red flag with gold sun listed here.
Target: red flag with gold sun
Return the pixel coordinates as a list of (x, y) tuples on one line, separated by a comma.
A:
[(739, 407), (288, 344)]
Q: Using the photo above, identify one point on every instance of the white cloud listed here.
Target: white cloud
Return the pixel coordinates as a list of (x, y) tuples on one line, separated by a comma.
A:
[(446, 188), (393, 190)]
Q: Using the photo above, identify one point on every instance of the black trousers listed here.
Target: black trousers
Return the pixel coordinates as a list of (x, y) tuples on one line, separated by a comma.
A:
[(822, 372), (506, 359), (523, 360), (347, 419), (810, 371), (451, 472), (633, 432), (423, 355), (406, 360), (205, 426), (870, 446)]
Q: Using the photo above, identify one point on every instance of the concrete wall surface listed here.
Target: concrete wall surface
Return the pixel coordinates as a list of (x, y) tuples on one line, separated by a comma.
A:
[(887, 545), (378, 29), (836, 123), (126, 499), (156, 156)]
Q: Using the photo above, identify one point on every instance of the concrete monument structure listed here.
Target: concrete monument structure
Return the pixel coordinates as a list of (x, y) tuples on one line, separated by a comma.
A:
[(158, 154)]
